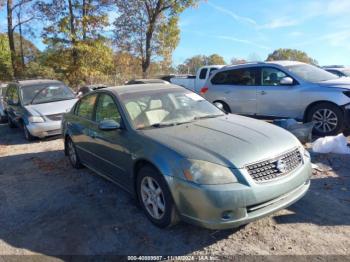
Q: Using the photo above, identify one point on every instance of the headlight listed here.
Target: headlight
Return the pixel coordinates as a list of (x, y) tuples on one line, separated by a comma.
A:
[(36, 119), (206, 173)]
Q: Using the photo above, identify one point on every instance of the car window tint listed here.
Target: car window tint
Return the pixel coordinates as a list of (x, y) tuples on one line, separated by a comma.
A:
[(203, 73), (271, 76), (242, 77), (107, 109), (86, 106)]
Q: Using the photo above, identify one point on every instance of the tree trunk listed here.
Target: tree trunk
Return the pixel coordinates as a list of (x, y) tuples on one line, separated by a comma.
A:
[(21, 39), (11, 39), (85, 10), (73, 33)]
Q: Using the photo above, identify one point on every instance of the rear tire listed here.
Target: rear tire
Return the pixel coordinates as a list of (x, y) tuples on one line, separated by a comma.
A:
[(72, 154), (328, 119), (155, 197), (225, 106)]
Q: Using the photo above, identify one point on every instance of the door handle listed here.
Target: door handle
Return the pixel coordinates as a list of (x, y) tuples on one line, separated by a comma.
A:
[(263, 92)]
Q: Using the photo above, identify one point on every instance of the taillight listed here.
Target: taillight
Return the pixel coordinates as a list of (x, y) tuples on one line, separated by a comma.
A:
[(204, 90)]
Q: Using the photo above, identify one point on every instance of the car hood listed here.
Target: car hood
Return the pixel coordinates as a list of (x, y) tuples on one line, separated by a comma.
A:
[(53, 108), (231, 140), (342, 82)]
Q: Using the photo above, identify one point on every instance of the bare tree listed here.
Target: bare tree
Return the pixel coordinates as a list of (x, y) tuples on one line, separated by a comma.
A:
[(12, 7)]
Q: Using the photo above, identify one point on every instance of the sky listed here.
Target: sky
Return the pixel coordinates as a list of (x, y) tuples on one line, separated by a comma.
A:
[(252, 29)]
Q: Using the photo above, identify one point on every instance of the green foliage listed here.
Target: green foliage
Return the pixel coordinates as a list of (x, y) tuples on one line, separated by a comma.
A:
[(6, 72), (149, 29), (191, 65), (290, 54)]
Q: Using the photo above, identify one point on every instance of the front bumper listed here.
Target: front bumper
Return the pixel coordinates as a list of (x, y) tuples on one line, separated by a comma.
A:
[(41, 130), (232, 205)]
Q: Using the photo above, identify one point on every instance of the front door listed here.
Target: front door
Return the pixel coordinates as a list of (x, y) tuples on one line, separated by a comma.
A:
[(110, 147), (275, 99)]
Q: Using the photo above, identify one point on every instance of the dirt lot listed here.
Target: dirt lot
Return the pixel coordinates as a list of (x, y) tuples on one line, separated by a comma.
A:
[(47, 207)]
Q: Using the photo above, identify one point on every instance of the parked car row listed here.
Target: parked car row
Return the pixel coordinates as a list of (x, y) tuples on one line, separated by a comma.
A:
[(181, 156)]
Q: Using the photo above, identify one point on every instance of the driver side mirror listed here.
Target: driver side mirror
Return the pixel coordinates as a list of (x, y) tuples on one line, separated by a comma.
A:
[(287, 81), (108, 125)]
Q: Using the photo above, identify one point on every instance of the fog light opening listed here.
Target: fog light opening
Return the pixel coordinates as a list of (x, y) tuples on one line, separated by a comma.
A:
[(226, 215)]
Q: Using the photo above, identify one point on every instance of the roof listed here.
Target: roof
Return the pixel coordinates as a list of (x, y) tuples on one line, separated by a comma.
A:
[(146, 81), (139, 88), (32, 82), (285, 63)]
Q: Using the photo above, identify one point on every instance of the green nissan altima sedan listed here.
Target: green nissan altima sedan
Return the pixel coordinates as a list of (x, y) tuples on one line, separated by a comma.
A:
[(185, 159)]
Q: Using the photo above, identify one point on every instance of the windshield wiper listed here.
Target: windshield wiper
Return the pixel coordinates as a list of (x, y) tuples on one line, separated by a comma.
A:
[(36, 95), (160, 125), (205, 117)]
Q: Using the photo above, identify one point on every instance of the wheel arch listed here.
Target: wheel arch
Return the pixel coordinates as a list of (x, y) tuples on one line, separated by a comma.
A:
[(139, 163), (307, 109), (224, 104)]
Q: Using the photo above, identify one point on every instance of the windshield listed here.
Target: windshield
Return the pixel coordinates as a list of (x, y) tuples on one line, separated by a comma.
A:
[(311, 73), (154, 109), (40, 94)]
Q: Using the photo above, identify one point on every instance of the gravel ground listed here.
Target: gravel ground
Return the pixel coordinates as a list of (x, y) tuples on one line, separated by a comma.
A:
[(49, 208)]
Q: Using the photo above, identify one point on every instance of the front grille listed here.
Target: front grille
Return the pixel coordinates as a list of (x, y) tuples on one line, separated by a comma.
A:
[(270, 169), (55, 117)]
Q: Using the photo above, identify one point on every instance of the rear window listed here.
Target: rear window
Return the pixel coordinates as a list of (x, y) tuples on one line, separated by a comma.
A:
[(242, 77)]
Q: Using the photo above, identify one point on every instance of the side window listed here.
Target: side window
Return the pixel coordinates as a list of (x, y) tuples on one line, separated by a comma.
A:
[(86, 106), (12, 94), (271, 76), (107, 109), (203, 73), (211, 70), (241, 77)]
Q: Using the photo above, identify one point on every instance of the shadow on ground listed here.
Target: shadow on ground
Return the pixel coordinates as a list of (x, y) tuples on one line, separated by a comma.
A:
[(49, 208)]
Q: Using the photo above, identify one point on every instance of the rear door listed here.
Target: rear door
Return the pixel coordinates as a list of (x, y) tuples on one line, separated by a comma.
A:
[(236, 87), (81, 126), (275, 99)]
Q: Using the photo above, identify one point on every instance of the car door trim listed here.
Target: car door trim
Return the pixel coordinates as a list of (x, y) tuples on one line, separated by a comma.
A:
[(97, 156)]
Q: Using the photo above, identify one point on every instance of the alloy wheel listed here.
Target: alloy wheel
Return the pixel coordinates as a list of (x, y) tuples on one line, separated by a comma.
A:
[(325, 120), (152, 197)]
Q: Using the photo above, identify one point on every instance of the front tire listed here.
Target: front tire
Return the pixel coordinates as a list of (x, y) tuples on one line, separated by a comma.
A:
[(10, 123), (328, 119), (155, 197), (27, 135)]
